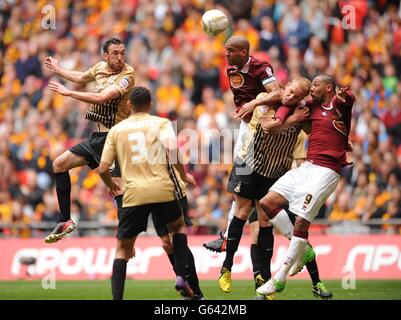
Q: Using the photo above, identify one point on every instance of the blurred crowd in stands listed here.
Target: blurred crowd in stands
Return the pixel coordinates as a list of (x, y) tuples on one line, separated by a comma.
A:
[(185, 69)]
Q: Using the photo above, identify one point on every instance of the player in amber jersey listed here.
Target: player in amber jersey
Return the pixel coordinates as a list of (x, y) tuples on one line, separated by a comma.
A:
[(113, 80), (144, 145), (164, 235)]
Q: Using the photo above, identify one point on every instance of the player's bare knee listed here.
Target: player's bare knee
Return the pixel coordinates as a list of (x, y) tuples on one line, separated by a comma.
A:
[(67, 161), (125, 248), (266, 204), (264, 220), (124, 253), (272, 201), (166, 244), (301, 225), (62, 163), (243, 206), (58, 166), (242, 214), (168, 248), (177, 226), (254, 232)]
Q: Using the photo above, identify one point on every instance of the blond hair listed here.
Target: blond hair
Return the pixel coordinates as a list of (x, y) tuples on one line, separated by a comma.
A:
[(304, 83)]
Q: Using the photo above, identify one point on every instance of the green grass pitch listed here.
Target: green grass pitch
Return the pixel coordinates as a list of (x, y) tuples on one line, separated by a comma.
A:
[(164, 290)]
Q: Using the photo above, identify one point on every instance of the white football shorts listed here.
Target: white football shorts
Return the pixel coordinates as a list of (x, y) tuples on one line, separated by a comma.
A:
[(306, 188)]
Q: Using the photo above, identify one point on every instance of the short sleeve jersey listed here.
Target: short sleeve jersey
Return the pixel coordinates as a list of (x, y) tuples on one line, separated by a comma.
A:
[(115, 110), (137, 144)]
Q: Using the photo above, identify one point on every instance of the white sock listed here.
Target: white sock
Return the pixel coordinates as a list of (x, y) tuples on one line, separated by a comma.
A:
[(230, 217), (283, 224), (297, 246)]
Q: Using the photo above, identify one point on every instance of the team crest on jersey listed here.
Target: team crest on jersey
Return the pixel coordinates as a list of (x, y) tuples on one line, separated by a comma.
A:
[(340, 126), (238, 188), (236, 80)]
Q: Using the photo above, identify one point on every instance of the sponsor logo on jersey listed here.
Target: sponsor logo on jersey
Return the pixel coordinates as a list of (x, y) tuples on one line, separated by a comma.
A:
[(236, 80)]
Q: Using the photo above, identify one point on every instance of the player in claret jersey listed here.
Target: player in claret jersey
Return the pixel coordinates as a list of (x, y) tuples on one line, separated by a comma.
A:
[(248, 77), (307, 187)]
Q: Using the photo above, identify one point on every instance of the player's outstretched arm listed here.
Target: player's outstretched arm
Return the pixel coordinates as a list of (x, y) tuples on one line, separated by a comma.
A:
[(88, 97), (272, 98), (71, 75), (344, 96)]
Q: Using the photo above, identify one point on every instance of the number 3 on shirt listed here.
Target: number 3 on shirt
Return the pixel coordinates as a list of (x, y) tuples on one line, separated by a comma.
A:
[(138, 147)]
